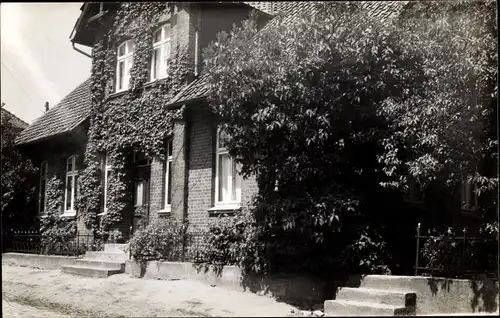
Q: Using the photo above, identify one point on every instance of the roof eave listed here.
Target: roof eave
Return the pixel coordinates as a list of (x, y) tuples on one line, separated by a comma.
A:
[(45, 138), (177, 105)]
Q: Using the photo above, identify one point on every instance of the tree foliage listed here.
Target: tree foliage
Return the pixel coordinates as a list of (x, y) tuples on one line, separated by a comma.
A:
[(330, 110), (17, 179)]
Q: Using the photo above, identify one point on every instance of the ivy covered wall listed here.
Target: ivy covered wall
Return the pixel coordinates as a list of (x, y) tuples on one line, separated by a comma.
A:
[(136, 120)]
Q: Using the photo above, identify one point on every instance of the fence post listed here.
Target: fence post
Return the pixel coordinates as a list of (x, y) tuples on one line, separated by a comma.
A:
[(129, 238), (463, 247), (418, 249)]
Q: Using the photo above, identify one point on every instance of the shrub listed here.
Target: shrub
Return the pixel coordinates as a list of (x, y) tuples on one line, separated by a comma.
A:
[(223, 241), (61, 244), (162, 239), (450, 255)]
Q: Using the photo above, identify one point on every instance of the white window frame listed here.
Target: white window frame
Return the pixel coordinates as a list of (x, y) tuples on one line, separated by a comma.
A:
[(43, 178), (234, 204), (70, 176), (468, 196), (107, 169), (167, 206), (127, 59), (146, 184), (164, 46)]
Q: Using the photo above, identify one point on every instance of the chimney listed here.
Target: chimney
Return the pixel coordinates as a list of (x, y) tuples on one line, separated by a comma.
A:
[(46, 106)]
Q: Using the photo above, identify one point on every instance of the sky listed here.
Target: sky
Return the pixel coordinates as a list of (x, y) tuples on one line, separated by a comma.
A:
[(37, 59)]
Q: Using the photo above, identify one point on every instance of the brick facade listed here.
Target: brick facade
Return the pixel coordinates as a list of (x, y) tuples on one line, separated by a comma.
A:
[(193, 26)]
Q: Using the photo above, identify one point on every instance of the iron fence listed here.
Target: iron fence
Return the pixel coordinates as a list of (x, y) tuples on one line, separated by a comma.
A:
[(34, 242), (455, 256)]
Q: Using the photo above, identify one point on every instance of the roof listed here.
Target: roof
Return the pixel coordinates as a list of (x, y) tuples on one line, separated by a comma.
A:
[(291, 10), (16, 121), (64, 117)]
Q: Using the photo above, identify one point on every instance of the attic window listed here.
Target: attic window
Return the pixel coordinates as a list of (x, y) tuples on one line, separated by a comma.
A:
[(161, 52), (124, 62)]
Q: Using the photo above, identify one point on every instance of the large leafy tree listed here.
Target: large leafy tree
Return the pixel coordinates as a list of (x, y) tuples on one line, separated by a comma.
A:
[(329, 111), (17, 179)]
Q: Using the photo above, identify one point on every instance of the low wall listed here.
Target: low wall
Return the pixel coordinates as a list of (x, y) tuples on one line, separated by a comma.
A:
[(37, 261), (302, 291), (441, 295)]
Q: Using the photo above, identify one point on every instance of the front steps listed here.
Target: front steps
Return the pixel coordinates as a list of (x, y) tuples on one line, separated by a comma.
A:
[(375, 297), (100, 264)]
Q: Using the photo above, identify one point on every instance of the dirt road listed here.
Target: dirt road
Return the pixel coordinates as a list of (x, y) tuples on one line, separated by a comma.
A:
[(12, 309), (123, 296)]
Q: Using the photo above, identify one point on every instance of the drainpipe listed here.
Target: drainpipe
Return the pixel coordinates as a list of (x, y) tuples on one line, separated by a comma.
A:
[(80, 51)]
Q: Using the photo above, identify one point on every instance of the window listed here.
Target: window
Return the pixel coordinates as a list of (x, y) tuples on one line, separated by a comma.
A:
[(43, 189), (468, 195), (141, 195), (71, 184), (161, 52), (227, 178), (168, 177), (124, 64), (414, 195), (106, 167)]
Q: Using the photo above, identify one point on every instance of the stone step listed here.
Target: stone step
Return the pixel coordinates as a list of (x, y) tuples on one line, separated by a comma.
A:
[(96, 263), (90, 271), (378, 296), (388, 282), (355, 308), (115, 248), (106, 256)]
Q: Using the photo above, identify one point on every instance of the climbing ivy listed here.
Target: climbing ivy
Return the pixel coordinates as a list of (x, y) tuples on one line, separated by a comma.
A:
[(53, 225), (133, 121)]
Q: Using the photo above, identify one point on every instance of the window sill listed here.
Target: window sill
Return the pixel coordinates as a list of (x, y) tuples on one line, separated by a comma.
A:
[(155, 81), (167, 210), (470, 212), (226, 208), (116, 94), (146, 85), (102, 213), (69, 214)]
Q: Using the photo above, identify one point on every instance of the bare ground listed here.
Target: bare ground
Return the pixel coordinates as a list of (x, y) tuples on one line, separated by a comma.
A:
[(20, 310), (123, 296)]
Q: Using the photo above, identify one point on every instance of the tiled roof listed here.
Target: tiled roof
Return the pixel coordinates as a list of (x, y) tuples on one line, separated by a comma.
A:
[(291, 10), (16, 121), (64, 117)]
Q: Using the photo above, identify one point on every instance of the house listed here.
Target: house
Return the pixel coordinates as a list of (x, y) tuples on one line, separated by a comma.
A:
[(187, 184), (192, 178)]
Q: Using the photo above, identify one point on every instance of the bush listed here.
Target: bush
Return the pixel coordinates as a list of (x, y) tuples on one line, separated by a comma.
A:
[(61, 244), (239, 240), (450, 255), (223, 241), (162, 239)]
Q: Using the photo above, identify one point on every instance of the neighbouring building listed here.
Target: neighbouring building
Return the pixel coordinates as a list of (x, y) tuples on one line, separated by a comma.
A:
[(195, 179)]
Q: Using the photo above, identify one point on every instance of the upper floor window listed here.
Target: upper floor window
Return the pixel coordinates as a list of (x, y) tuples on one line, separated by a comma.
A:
[(161, 52), (124, 64), (71, 184), (43, 188), (227, 178)]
